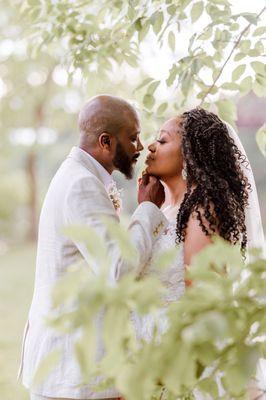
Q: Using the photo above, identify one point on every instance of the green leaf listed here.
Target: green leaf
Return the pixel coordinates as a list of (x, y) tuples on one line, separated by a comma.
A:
[(46, 366), (250, 17), (171, 9), (230, 86), (239, 56), (162, 108), (148, 101), (152, 87), (227, 110), (144, 30), (259, 87), (131, 60), (157, 26), (261, 139), (245, 46), (196, 11), (172, 75), (171, 40), (131, 12), (208, 386), (234, 27), (245, 85), (144, 83), (258, 66), (238, 71), (254, 53), (205, 35), (259, 31)]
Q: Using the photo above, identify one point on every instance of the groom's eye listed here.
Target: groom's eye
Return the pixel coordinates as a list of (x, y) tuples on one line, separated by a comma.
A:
[(160, 141)]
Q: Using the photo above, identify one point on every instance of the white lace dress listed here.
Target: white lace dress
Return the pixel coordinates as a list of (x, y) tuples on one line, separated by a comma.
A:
[(171, 277)]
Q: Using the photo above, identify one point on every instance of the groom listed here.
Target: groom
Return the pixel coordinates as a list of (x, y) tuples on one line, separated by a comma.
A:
[(78, 194)]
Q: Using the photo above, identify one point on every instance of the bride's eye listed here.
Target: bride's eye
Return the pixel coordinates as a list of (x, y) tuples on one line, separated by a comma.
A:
[(160, 141)]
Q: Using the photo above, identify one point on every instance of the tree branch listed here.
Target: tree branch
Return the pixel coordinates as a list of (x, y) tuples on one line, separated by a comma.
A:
[(229, 56)]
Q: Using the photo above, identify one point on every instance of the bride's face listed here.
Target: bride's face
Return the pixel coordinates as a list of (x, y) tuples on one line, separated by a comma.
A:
[(165, 156)]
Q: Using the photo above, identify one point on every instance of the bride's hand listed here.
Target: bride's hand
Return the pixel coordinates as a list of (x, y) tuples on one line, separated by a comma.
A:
[(150, 189)]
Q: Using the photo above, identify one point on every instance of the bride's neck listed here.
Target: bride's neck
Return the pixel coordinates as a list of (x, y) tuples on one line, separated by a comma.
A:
[(175, 188)]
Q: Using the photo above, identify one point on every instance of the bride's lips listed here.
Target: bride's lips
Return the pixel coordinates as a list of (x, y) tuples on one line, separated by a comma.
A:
[(149, 159)]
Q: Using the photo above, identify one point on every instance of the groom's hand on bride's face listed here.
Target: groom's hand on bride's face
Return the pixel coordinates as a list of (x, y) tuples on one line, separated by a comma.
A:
[(150, 189)]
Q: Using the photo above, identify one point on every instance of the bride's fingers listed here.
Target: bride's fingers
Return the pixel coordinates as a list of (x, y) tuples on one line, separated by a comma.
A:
[(145, 179)]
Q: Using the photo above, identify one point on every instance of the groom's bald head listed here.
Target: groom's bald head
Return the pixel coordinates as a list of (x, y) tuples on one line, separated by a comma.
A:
[(109, 131), (104, 113)]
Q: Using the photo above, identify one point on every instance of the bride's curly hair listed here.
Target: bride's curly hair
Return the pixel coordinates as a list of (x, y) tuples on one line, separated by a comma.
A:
[(217, 189)]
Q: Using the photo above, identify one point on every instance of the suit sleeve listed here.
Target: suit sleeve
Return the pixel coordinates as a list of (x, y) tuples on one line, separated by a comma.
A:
[(88, 202)]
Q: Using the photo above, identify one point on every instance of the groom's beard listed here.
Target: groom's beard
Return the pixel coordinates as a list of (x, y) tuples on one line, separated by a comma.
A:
[(123, 162)]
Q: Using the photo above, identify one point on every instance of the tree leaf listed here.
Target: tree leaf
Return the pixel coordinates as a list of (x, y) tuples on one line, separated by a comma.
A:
[(144, 83), (250, 17), (258, 66), (172, 9), (152, 87), (259, 31), (238, 71), (245, 85), (259, 88), (196, 11), (162, 108), (157, 26), (171, 40), (227, 110), (144, 30), (239, 56), (172, 75), (230, 86), (148, 101)]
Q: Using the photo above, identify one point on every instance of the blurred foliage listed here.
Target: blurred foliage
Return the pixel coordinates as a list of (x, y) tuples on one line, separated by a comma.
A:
[(98, 37), (215, 329), (16, 288), (54, 55), (261, 139)]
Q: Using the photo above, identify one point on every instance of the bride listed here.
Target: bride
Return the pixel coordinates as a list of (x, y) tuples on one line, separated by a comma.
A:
[(209, 189)]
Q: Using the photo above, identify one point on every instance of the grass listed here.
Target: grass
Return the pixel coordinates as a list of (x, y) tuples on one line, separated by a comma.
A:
[(16, 288)]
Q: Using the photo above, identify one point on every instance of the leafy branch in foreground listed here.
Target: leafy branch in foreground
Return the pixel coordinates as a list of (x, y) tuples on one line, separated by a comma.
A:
[(215, 332), (99, 38)]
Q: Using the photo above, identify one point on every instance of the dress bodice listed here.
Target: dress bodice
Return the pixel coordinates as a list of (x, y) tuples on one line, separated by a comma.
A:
[(171, 277)]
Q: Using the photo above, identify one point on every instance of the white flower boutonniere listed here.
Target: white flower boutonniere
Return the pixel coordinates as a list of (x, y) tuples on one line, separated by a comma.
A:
[(115, 196)]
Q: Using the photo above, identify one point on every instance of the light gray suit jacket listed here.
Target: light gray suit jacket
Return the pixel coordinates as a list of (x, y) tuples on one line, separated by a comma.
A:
[(76, 195)]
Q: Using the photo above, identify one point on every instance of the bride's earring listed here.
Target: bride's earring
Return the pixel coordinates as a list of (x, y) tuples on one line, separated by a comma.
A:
[(184, 173)]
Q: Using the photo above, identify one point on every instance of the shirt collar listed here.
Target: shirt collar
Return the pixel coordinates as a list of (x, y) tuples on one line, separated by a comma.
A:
[(87, 160)]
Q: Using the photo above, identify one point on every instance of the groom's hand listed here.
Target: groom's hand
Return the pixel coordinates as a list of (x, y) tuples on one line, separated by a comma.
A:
[(151, 189)]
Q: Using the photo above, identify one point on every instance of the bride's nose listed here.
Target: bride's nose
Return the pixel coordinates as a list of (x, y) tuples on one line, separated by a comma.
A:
[(152, 147)]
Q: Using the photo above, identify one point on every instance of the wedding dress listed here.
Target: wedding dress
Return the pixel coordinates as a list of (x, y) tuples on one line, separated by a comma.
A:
[(172, 278)]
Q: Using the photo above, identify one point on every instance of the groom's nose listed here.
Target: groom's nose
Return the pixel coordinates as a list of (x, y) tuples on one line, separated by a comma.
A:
[(139, 146)]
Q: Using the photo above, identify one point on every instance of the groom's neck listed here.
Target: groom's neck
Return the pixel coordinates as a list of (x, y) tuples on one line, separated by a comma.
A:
[(98, 157)]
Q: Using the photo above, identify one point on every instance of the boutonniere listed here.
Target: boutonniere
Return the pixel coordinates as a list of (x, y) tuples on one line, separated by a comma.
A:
[(115, 196)]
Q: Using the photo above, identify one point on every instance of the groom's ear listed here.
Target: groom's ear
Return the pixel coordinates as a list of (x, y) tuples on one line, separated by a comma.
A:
[(105, 141)]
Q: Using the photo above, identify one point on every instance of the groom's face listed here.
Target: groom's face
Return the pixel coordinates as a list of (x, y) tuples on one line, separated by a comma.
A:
[(128, 147)]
